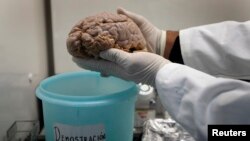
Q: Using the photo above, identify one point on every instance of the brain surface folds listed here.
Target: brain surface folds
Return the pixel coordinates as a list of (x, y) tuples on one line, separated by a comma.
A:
[(103, 31)]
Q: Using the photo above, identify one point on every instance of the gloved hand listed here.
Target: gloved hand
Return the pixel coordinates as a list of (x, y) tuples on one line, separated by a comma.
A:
[(140, 67), (153, 36)]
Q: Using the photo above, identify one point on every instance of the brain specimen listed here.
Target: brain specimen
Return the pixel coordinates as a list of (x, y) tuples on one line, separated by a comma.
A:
[(103, 31)]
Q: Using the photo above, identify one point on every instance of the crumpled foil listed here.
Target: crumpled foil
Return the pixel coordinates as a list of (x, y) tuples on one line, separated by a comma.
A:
[(164, 130)]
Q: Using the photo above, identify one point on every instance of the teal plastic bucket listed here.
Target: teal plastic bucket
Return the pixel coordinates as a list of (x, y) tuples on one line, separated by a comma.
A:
[(83, 106)]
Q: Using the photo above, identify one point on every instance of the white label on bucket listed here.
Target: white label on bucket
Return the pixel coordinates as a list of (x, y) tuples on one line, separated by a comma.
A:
[(63, 132)]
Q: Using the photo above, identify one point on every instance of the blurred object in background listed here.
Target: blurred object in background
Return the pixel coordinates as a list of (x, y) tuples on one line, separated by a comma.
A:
[(23, 131), (145, 105), (146, 97)]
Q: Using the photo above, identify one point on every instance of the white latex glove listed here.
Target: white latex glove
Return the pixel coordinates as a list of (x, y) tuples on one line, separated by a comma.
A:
[(140, 67), (154, 37)]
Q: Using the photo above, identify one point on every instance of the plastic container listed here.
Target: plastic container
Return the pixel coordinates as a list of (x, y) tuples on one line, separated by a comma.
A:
[(81, 106)]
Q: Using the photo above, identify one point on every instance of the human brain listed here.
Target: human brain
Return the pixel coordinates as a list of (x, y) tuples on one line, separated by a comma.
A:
[(103, 31)]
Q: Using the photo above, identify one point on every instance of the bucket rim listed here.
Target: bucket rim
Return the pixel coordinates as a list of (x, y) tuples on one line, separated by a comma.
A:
[(70, 100)]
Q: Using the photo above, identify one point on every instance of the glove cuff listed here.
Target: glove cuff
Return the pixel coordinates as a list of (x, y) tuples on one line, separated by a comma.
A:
[(163, 42)]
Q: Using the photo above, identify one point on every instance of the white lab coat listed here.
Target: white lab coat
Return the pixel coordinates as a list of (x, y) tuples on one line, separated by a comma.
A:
[(203, 92)]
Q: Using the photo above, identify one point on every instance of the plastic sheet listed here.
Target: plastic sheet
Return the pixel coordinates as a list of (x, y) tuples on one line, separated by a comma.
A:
[(164, 130)]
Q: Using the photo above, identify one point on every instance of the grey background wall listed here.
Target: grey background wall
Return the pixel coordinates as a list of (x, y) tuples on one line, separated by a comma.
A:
[(165, 14), (22, 59)]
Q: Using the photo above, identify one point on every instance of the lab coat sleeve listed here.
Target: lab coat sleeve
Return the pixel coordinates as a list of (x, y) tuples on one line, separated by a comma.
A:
[(196, 99), (221, 49)]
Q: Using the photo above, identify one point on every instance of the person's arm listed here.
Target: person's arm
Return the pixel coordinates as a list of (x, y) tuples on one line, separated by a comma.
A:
[(171, 48), (221, 49), (196, 99)]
